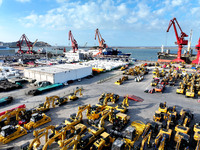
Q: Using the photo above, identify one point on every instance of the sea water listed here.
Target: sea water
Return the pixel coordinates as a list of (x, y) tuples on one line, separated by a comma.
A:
[(139, 53)]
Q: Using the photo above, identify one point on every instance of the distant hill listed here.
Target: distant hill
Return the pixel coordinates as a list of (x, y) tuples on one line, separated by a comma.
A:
[(14, 44)]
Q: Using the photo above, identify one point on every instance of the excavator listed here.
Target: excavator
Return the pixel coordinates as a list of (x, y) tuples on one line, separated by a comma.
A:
[(160, 113), (38, 134), (12, 117), (182, 140), (190, 92), (122, 107), (164, 135), (157, 116), (120, 120), (93, 131), (121, 80), (77, 118), (58, 133), (73, 96), (120, 144), (99, 124), (181, 89), (196, 137), (133, 133), (130, 138), (153, 126), (146, 140), (182, 129), (10, 132), (62, 135), (185, 117), (104, 142), (37, 120), (108, 97), (57, 100), (52, 100), (71, 142)]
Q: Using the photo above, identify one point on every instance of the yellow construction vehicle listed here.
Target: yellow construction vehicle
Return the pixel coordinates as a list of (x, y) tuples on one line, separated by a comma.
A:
[(120, 144), (196, 127), (98, 126), (58, 100), (37, 120), (124, 67), (162, 108), (197, 138), (123, 106), (146, 139), (190, 92), (181, 89), (108, 97), (77, 118), (185, 117), (94, 131), (157, 116), (38, 134), (43, 107), (73, 96), (9, 133), (119, 82), (153, 126), (12, 117), (163, 135), (182, 129), (120, 120), (182, 140), (130, 136), (71, 142), (63, 134), (105, 141)]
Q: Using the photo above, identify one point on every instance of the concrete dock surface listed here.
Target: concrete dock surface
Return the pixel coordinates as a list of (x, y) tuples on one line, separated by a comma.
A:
[(92, 89)]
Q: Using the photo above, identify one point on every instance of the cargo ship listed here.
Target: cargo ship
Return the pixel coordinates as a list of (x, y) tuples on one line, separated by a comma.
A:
[(167, 57)]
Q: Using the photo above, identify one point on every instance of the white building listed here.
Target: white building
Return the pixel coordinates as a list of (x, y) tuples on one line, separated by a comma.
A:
[(58, 73)]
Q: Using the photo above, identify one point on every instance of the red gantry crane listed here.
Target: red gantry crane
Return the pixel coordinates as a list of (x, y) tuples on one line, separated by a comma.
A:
[(197, 61), (102, 43), (74, 43), (28, 44), (180, 39)]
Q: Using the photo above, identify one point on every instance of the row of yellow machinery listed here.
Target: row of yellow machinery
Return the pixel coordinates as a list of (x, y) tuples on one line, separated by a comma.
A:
[(170, 129), (189, 86), (73, 134), (11, 121), (176, 125)]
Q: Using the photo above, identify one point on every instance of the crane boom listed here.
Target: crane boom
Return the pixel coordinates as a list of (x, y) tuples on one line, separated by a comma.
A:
[(74, 42), (28, 43), (180, 39), (102, 43)]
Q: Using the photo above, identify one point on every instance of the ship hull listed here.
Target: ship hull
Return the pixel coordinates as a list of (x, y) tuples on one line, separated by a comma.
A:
[(164, 57)]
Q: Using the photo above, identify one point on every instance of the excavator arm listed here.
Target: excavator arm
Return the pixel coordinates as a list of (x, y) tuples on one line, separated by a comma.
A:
[(70, 142)]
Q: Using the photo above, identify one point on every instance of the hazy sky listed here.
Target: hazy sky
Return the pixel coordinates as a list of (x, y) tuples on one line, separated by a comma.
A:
[(120, 22)]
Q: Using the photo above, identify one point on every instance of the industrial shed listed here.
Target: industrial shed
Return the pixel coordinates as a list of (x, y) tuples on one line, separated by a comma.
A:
[(58, 73)]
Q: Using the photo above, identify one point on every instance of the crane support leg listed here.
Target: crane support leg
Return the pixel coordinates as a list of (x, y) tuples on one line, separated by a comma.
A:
[(178, 59), (196, 61)]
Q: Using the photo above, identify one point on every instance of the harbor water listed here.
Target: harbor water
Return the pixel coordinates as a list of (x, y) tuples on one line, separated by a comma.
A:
[(139, 53)]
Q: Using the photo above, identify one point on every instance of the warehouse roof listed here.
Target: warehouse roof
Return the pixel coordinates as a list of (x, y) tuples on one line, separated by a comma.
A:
[(58, 68)]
